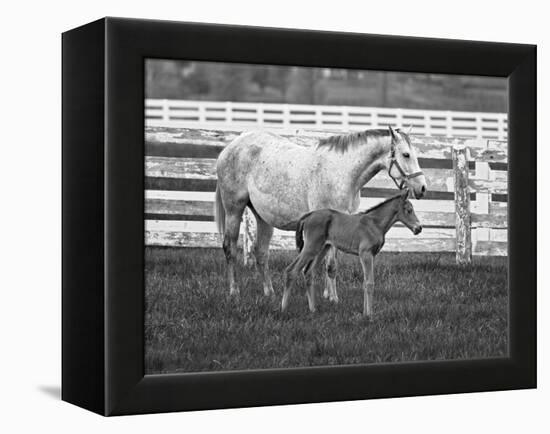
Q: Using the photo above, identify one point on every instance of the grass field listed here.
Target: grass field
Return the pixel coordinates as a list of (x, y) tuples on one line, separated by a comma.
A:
[(426, 308)]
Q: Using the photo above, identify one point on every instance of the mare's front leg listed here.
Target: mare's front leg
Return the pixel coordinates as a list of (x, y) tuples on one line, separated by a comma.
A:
[(330, 288), (367, 262)]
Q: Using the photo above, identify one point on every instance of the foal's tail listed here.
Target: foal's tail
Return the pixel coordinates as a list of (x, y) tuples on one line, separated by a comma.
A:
[(219, 212), (300, 232)]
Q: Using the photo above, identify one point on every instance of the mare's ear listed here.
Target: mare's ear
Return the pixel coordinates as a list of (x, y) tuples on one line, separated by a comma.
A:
[(393, 134)]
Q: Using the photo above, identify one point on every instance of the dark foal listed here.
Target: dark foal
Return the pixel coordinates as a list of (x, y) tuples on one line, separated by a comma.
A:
[(361, 234)]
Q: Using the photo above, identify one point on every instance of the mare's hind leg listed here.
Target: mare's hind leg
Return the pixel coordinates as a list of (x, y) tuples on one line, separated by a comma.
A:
[(261, 253), (233, 218), (330, 288)]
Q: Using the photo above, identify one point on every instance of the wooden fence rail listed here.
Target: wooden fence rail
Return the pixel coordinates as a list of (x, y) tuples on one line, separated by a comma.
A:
[(465, 210), (214, 114)]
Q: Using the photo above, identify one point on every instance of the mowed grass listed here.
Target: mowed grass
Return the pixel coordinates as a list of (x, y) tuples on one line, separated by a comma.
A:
[(426, 308)]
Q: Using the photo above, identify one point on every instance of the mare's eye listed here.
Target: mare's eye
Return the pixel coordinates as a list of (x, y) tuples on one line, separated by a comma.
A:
[(406, 154)]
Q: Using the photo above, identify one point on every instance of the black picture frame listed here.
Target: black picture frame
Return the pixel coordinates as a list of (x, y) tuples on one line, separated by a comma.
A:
[(103, 208)]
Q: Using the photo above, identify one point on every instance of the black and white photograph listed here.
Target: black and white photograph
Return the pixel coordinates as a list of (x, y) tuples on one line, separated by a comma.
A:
[(293, 217), (299, 216)]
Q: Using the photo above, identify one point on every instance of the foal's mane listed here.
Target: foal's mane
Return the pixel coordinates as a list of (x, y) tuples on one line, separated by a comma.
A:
[(381, 204), (342, 142)]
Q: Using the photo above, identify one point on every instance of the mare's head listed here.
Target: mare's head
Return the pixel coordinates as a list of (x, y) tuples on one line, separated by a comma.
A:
[(406, 214), (403, 165)]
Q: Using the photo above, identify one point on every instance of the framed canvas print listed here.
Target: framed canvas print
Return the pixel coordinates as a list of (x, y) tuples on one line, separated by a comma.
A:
[(257, 216)]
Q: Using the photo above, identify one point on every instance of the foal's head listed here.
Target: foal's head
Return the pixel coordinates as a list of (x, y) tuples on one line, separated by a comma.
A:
[(406, 214)]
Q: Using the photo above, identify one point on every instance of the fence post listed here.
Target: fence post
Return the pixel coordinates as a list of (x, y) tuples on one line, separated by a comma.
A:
[(399, 118), (345, 118), (249, 235), (449, 123), (260, 114), (462, 206), (201, 116), (228, 112), (427, 125), (479, 127), (286, 116), (374, 118), (483, 199), (165, 111), (501, 121)]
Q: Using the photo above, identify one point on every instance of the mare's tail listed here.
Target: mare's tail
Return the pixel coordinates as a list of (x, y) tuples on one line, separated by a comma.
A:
[(300, 232), (219, 212)]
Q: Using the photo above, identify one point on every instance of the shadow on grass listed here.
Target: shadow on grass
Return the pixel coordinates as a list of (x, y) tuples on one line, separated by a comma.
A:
[(51, 391)]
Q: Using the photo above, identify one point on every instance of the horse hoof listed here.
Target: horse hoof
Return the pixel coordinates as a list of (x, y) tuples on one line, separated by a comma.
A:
[(234, 292)]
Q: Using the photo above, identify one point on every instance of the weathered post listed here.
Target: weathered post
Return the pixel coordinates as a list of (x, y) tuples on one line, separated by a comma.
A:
[(249, 235), (462, 206)]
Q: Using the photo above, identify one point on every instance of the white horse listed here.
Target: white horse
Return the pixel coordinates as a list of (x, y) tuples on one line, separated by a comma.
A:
[(280, 181)]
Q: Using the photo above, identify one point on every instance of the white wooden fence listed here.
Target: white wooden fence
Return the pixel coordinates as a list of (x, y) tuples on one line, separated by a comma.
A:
[(465, 210), (436, 123)]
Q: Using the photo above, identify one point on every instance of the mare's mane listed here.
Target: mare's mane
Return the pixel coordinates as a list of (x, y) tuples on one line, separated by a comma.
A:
[(342, 142)]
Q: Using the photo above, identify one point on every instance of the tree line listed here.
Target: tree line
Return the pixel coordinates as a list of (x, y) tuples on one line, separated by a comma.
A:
[(300, 85)]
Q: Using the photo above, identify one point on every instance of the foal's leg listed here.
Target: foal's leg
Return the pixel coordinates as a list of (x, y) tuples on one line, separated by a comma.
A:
[(367, 262), (314, 274), (330, 288), (233, 218), (289, 276), (261, 253), (302, 261)]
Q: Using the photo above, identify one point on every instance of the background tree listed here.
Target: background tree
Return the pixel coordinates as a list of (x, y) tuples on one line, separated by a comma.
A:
[(260, 76)]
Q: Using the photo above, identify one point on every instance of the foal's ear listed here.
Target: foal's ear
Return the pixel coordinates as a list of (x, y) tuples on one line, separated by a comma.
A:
[(409, 129), (405, 194)]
